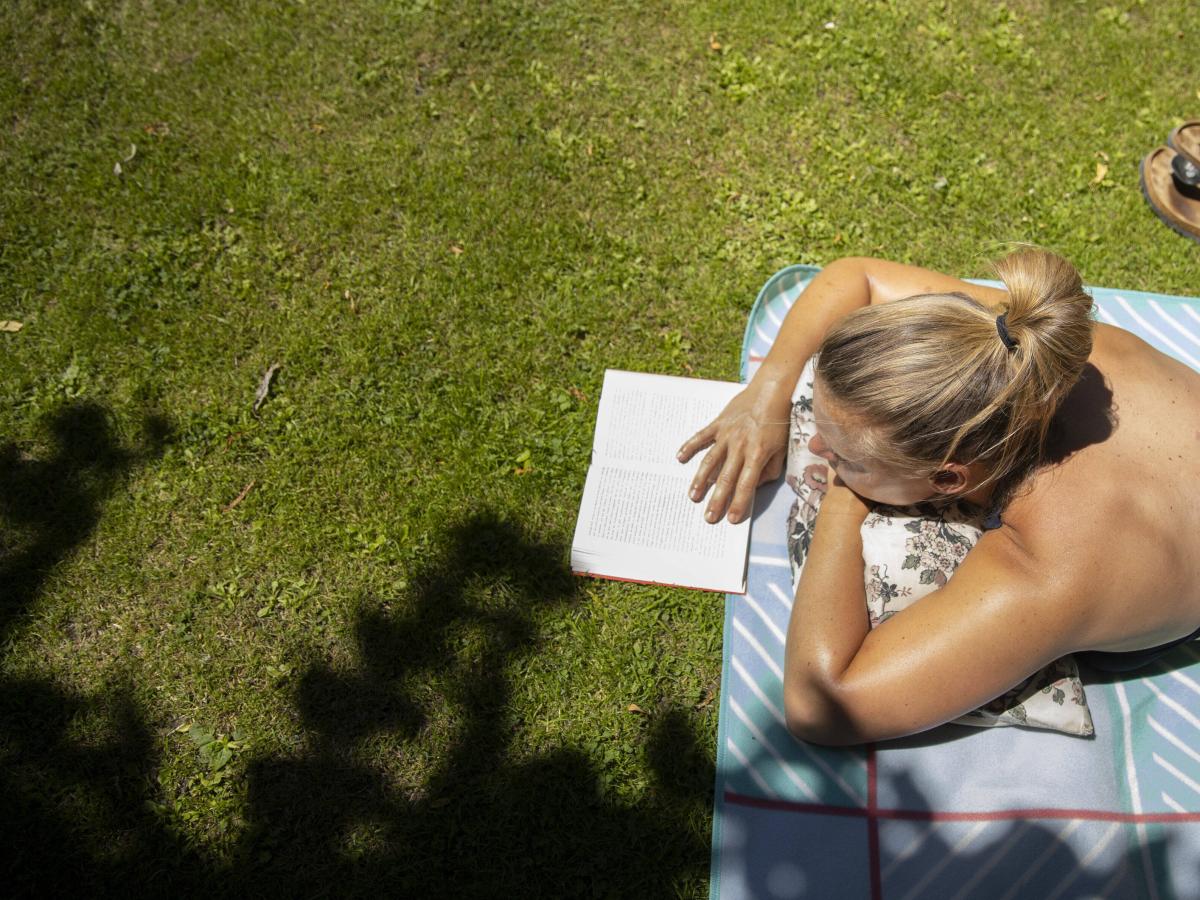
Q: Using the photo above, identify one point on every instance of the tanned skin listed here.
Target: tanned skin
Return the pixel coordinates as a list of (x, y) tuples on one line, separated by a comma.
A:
[(1098, 549)]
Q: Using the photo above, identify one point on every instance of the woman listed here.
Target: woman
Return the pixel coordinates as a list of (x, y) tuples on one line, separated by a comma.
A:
[(1079, 438)]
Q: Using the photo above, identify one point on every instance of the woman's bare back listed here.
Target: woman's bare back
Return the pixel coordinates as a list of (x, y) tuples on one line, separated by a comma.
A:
[(1116, 516)]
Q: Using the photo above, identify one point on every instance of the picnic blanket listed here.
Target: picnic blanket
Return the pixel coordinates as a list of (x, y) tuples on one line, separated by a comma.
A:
[(956, 812)]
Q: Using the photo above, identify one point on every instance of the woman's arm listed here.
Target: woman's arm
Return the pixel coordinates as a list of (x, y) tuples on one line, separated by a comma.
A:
[(829, 617), (749, 437), (997, 621)]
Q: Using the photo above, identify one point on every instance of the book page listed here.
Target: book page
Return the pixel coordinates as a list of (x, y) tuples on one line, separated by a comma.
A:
[(646, 418), (639, 525), (636, 521), (652, 511)]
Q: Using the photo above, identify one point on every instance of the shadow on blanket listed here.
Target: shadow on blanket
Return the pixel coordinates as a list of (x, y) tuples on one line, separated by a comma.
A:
[(1009, 859), (1173, 660)]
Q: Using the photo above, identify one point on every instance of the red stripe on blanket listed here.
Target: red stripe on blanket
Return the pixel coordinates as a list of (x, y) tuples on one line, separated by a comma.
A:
[(928, 815), (1091, 815)]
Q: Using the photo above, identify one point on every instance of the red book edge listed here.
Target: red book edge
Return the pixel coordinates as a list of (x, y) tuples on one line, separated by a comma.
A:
[(686, 587)]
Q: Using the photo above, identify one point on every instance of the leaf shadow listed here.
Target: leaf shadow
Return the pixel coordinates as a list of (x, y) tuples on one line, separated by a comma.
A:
[(464, 809), (491, 818), (50, 506)]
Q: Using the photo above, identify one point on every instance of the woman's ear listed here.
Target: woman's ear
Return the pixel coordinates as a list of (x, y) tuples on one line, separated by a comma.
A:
[(950, 479)]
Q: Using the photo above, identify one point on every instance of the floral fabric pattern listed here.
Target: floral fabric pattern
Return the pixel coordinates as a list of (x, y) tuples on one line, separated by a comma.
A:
[(928, 543), (908, 553)]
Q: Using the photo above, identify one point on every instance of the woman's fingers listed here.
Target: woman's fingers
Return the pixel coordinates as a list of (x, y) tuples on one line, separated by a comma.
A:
[(735, 464), (697, 442), (706, 472), (739, 483), (725, 485), (743, 495), (734, 476)]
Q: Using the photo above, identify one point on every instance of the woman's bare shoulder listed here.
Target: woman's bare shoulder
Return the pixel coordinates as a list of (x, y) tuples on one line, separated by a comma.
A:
[(1110, 339), (1132, 362), (1112, 529)]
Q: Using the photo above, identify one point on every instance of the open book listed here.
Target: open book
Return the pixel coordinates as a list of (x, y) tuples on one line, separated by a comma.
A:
[(636, 522)]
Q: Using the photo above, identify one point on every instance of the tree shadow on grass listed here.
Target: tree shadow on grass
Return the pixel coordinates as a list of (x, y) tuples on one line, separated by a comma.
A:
[(75, 815), (486, 819), (49, 507), (66, 757), (482, 816)]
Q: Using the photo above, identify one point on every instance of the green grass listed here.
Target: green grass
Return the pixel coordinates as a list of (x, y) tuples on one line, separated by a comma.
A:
[(444, 220)]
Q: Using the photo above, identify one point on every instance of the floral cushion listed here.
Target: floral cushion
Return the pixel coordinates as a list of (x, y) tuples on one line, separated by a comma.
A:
[(909, 552)]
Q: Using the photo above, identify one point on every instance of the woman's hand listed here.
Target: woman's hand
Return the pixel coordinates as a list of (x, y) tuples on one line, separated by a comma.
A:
[(749, 448), (840, 501)]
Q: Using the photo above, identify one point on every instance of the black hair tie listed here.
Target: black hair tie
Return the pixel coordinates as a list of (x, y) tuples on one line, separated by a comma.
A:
[(1002, 330)]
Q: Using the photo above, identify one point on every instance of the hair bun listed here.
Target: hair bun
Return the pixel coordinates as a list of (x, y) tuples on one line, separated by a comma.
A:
[(1049, 315)]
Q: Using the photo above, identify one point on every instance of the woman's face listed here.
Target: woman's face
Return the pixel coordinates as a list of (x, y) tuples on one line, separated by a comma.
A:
[(835, 441)]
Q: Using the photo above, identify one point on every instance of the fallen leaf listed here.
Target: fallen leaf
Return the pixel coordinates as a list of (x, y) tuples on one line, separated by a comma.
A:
[(1101, 171), (634, 708), (1101, 97), (456, 250), (264, 386), (9, 325), (240, 497), (577, 394), (708, 698), (318, 128), (713, 43)]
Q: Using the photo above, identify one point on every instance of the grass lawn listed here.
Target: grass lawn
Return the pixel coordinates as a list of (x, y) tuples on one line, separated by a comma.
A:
[(332, 646)]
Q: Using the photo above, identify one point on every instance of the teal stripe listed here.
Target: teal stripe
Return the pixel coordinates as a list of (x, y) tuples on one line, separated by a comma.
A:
[(772, 288)]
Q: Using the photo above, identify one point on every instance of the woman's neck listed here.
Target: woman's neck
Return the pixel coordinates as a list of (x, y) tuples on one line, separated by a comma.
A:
[(982, 496), (985, 491)]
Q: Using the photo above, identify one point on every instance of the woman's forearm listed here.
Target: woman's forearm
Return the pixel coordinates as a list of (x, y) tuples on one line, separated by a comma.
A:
[(838, 289), (829, 616)]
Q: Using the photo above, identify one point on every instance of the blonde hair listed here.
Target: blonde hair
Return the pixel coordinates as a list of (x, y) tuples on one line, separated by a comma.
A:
[(935, 383)]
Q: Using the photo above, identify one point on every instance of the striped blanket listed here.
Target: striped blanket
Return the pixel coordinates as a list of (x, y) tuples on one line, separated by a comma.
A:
[(956, 812)]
